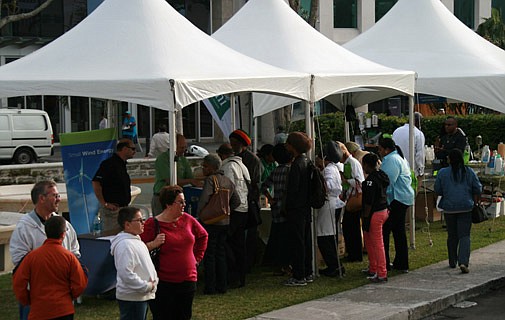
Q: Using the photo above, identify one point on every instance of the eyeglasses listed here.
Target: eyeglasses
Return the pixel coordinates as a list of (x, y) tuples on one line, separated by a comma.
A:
[(141, 220), (56, 195)]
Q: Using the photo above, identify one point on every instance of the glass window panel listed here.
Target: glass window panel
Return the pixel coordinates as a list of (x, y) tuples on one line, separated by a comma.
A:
[(16, 102), (189, 121), (382, 7), (29, 122), (464, 10), (52, 107), (345, 14), (98, 107), (500, 5), (160, 117), (143, 129), (206, 123), (79, 114), (34, 102)]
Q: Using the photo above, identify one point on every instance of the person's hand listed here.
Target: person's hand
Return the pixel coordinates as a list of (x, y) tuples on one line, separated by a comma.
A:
[(159, 240), (111, 206)]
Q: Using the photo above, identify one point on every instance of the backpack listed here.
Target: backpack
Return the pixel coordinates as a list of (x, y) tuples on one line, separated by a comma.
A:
[(318, 194)]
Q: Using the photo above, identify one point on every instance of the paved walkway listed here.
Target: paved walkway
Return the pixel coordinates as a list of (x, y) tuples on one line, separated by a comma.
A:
[(415, 295)]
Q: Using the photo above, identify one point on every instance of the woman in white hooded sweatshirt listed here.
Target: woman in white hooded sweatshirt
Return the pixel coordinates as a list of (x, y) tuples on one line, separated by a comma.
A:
[(136, 274)]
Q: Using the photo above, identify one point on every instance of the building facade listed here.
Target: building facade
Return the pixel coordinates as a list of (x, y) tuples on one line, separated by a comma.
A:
[(339, 20)]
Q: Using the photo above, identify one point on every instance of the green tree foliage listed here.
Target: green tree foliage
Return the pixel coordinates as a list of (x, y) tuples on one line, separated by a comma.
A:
[(493, 29)]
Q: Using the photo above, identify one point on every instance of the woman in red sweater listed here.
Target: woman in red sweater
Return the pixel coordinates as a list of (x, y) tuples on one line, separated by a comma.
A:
[(182, 241)]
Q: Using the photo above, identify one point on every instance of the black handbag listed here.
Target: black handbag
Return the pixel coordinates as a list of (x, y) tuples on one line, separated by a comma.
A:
[(479, 213), (155, 253)]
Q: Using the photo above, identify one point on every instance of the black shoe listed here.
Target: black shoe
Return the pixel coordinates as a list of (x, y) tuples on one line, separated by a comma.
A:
[(367, 272), (377, 279)]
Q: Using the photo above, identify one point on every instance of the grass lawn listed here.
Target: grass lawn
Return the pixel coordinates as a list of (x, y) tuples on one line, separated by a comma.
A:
[(264, 291)]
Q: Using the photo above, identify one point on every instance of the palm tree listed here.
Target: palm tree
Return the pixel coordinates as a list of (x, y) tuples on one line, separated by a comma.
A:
[(493, 29)]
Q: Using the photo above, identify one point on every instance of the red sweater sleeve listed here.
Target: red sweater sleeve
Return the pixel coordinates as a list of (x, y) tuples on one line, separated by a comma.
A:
[(201, 238)]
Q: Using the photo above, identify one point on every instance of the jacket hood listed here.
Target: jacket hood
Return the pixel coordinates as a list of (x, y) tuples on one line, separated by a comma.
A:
[(122, 236)]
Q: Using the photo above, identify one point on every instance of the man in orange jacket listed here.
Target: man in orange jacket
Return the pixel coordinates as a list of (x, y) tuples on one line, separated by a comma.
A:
[(50, 277)]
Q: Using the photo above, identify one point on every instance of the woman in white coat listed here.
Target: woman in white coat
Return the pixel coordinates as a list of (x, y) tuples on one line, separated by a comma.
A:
[(326, 226)]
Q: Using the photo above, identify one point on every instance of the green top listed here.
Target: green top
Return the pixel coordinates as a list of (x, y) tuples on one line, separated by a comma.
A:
[(162, 168), (267, 169)]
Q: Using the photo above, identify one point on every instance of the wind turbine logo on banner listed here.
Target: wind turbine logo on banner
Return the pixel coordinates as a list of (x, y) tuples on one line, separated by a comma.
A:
[(81, 175)]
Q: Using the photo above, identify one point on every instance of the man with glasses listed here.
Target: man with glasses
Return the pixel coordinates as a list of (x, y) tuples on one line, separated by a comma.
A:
[(162, 172), (30, 234), (453, 138), (112, 183)]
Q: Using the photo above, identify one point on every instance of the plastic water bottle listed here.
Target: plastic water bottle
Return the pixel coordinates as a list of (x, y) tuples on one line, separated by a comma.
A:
[(485, 154), (498, 165), (490, 164), (97, 225)]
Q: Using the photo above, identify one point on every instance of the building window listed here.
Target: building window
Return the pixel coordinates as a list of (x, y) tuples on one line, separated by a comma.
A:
[(345, 14), (79, 114), (464, 10), (500, 5), (382, 7), (59, 17), (98, 107)]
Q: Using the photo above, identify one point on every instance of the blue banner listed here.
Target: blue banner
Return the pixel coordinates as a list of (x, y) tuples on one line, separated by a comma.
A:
[(82, 153)]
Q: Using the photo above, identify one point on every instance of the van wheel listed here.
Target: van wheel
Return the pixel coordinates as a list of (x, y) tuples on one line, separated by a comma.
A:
[(24, 156)]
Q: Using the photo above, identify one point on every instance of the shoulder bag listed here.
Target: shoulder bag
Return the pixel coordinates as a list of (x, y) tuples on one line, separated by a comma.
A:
[(355, 201), (479, 213), (218, 207), (155, 253)]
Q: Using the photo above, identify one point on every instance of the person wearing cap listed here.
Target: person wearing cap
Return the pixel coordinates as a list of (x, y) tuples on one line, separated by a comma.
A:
[(401, 138), (235, 170), (352, 178), (356, 151), (298, 211), (239, 141)]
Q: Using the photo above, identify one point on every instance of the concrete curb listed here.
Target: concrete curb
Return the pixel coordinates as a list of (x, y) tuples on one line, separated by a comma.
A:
[(411, 296)]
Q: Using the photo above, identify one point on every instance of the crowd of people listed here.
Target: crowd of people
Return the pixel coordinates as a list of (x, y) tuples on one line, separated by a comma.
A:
[(158, 259)]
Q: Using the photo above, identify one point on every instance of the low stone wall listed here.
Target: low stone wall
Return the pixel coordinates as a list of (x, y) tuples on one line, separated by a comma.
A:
[(31, 173)]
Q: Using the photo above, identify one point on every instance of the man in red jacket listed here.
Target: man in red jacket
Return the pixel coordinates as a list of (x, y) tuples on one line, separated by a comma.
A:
[(50, 277)]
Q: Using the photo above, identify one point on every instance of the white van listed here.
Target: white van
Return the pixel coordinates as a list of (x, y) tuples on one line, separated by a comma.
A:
[(25, 135)]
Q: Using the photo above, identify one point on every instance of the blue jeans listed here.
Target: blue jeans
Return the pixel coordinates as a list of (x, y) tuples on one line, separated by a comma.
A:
[(132, 310), (458, 237), (23, 312)]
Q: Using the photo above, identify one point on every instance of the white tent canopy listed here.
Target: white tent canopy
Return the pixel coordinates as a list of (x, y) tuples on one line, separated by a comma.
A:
[(450, 59), (132, 50), (272, 32)]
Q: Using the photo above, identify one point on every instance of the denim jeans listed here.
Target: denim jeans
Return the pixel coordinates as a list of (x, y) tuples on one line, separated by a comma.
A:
[(458, 237), (132, 310), (216, 269)]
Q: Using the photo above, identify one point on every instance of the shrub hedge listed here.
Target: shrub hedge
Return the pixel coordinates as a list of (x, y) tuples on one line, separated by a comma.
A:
[(490, 126)]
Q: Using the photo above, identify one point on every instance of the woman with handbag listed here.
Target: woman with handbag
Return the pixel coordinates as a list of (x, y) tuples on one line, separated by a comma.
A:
[(216, 272), (400, 196), (460, 190), (183, 249)]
